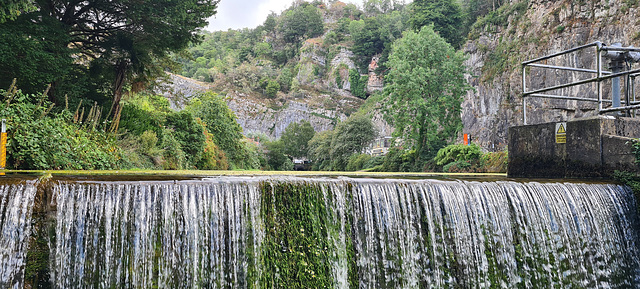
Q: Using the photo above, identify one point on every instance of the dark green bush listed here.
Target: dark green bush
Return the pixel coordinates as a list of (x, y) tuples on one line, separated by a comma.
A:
[(189, 133), (357, 161), (457, 167), (137, 120), (457, 152)]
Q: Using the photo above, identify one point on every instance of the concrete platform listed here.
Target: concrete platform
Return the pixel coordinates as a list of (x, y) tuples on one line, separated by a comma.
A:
[(582, 148)]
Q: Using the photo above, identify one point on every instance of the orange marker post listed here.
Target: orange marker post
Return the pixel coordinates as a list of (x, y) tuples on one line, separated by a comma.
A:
[(466, 139), (3, 146)]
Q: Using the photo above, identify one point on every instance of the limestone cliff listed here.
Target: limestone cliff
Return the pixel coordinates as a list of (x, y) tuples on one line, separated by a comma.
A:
[(271, 116), (524, 30)]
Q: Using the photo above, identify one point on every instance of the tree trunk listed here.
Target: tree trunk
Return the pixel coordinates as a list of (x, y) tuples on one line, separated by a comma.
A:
[(121, 71)]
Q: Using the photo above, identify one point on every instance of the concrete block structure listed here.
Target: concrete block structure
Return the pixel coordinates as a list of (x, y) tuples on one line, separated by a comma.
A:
[(582, 148)]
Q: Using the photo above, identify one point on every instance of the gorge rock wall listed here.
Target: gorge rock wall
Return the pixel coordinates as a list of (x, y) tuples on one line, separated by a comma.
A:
[(533, 29)]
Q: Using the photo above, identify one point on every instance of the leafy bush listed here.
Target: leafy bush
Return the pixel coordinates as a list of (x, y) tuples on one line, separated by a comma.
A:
[(374, 162), (398, 160), (227, 133), (38, 139), (276, 157), (457, 152), (461, 166), (213, 158), (173, 155), (189, 133), (357, 161)]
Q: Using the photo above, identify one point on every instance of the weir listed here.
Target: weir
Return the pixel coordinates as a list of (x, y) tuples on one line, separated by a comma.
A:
[(316, 232)]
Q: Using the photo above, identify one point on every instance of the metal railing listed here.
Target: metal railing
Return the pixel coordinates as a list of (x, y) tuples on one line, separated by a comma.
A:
[(600, 76)]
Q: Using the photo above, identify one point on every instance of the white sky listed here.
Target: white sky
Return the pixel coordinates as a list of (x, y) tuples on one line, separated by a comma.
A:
[(237, 14)]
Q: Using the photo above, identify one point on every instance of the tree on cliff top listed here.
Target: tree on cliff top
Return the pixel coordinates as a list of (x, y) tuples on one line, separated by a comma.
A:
[(424, 91), (445, 16)]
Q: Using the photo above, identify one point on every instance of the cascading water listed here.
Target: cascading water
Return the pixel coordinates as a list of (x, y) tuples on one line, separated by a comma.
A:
[(287, 232), (16, 203)]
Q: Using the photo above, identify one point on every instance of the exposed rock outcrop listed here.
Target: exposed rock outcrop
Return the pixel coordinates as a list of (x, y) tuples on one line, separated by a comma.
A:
[(536, 28)]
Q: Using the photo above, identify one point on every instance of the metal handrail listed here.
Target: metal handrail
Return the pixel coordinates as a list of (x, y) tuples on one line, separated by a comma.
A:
[(601, 75)]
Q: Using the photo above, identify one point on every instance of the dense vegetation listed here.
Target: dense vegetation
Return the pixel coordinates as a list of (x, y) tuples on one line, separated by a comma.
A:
[(88, 80)]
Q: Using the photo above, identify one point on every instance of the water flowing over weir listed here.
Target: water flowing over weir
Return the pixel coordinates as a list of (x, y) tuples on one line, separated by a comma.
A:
[(16, 203), (292, 232)]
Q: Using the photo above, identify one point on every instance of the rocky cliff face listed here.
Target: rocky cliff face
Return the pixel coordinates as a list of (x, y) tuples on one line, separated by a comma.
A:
[(532, 29), (271, 116)]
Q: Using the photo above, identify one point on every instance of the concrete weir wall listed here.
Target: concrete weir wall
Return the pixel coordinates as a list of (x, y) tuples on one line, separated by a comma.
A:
[(593, 148)]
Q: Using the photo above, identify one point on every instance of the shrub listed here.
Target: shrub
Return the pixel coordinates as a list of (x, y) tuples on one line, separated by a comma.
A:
[(458, 167), (357, 161), (189, 133), (457, 152), (38, 139), (173, 155), (373, 162), (398, 160)]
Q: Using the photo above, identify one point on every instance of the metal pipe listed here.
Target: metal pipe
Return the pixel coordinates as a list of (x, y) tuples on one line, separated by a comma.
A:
[(611, 109), (637, 70), (615, 89), (524, 97), (563, 97), (599, 76), (597, 44), (562, 86), (524, 109), (568, 68), (612, 48)]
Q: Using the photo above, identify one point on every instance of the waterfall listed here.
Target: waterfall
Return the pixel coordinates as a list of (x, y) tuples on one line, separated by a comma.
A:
[(293, 232), (16, 204)]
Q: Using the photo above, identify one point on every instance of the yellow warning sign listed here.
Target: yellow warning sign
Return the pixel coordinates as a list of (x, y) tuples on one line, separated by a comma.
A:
[(561, 132)]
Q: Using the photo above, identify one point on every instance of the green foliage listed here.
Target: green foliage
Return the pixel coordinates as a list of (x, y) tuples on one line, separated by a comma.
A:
[(137, 120), (277, 159), (489, 19), (358, 84), (357, 162), (148, 144), (456, 167), (445, 16), (173, 155), (320, 150), (11, 9), (284, 79), (36, 53), (38, 139), (272, 88), (296, 138), (304, 21), (213, 158), (120, 42), (494, 162), (221, 122), (189, 133), (457, 152), (398, 160), (349, 137), (374, 36), (424, 91)]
